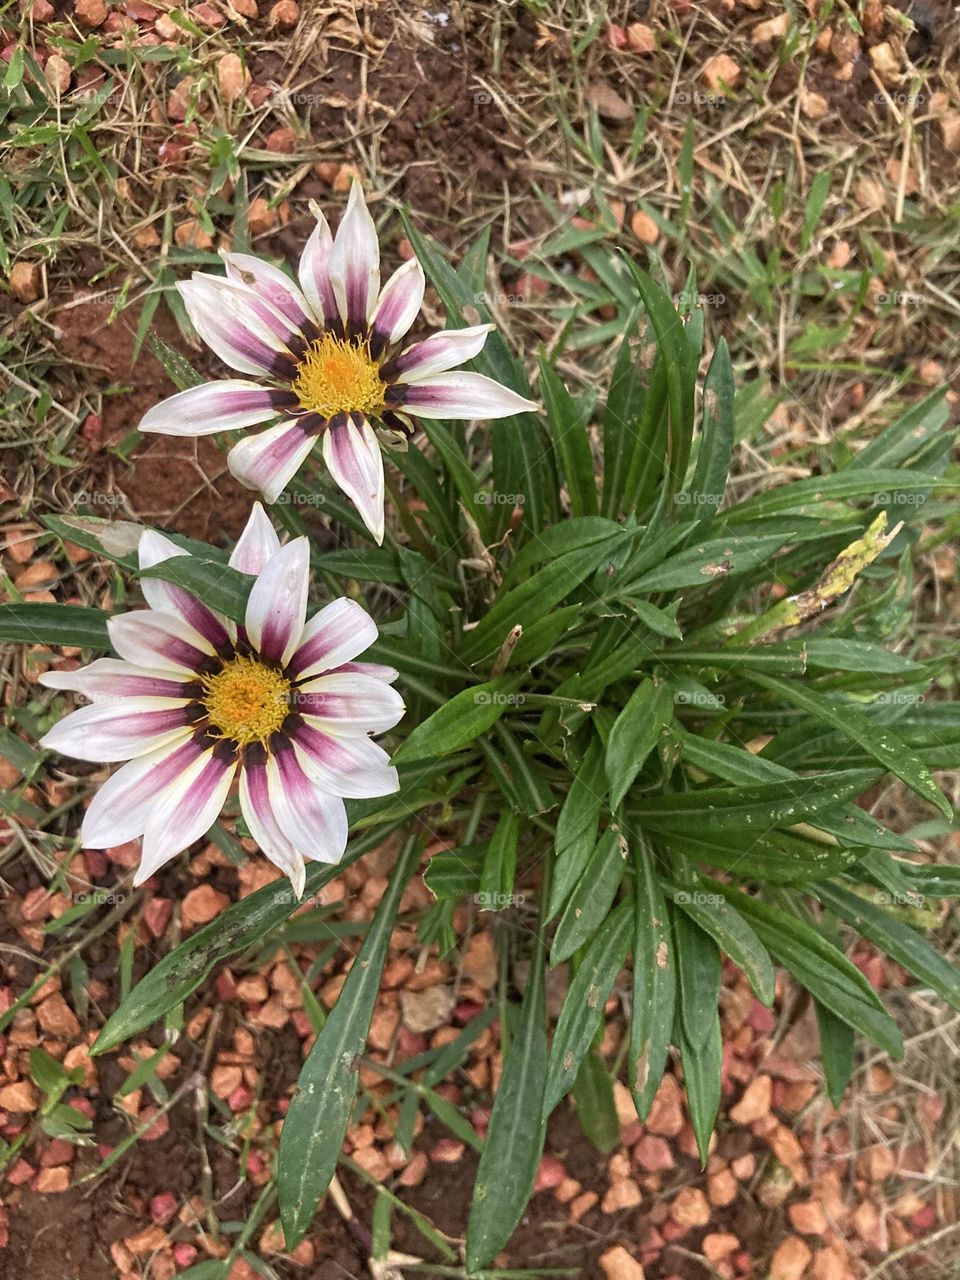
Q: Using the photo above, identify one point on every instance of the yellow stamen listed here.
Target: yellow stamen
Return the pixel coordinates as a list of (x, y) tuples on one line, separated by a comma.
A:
[(339, 377), (246, 700)]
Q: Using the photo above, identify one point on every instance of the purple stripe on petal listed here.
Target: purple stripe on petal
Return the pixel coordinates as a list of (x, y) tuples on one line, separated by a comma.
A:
[(271, 284), (458, 395), (438, 353), (195, 797), (314, 273), (277, 605), (150, 638), (221, 316), (121, 730), (335, 635), (314, 822), (119, 810), (355, 263), (351, 767), (398, 305), (352, 454), (215, 406), (270, 459)]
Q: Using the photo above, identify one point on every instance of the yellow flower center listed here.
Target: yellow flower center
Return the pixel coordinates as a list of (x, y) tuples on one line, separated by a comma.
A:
[(246, 701), (339, 377)]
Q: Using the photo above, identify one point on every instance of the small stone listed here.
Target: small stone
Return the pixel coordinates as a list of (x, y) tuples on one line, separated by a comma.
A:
[(426, 1010), (223, 1080), (550, 1174), (246, 8), (755, 1102), (644, 228), (790, 1260), (690, 1208), (666, 1113), (808, 1218), (722, 1187), (90, 13), (282, 141), (415, 1171), (721, 72), (260, 217), (773, 29), (447, 1151), (608, 103), (744, 1167), (52, 1181), (56, 1017), (180, 98), (146, 1241), (719, 1244), (25, 282), (163, 1207), (345, 177), (20, 1097), (653, 1154), (57, 74), (285, 14), (813, 105), (885, 62), (623, 1193), (582, 1205), (640, 38), (232, 77), (618, 1264), (202, 904), (156, 916)]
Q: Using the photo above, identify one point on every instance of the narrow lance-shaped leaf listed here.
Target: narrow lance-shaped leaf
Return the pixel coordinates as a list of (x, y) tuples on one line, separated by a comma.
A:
[(732, 934), (593, 896), (54, 624), (514, 1143), (319, 1112), (654, 983), (583, 1005), (698, 962), (635, 734), (836, 1051), (468, 714)]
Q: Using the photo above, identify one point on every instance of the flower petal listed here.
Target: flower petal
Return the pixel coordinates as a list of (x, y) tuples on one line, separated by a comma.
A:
[(352, 454), (313, 821), (398, 305), (272, 284), (123, 730), (222, 314), (149, 638), (119, 810), (196, 797), (257, 544), (277, 605), (335, 635), (377, 669), (350, 704), (110, 678), (439, 352), (355, 263), (352, 767), (256, 805), (214, 406), (314, 272), (167, 597), (269, 460), (458, 395)]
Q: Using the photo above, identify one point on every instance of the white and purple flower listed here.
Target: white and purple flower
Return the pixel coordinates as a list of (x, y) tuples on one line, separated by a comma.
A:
[(331, 361), (196, 701)]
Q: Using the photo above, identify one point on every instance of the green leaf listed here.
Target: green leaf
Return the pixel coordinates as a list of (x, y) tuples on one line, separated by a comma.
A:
[(569, 430), (592, 898), (836, 1051), (634, 735), (706, 490), (894, 938), (54, 624), (576, 833), (621, 417), (319, 1112), (808, 496), (453, 874), (702, 1064), (514, 1142), (594, 1099), (698, 963), (776, 858), (583, 1005), (732, 934), (879, 741), (720, 558), (467, 715), (500, 864), (654, 983)]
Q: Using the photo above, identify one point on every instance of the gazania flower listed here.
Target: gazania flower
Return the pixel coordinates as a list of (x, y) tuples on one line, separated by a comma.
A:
[(195, 701), (329, 361)]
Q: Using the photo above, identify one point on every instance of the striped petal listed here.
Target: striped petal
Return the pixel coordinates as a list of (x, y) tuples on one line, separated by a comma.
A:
[(167, 597), (439, 352), (277, 606), (350, 704), (376, 669), (257, 544), (109, 678), (355, 768), (269, 460), (162, 640), (398, 305), (123, 730), (272, 284), (355, 263), (314, 272), (222, 314), (257, 807), (458, 395), (214, 406), (353, 458), (196, 797), (119, 810), (314, 822), (335, 635)]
